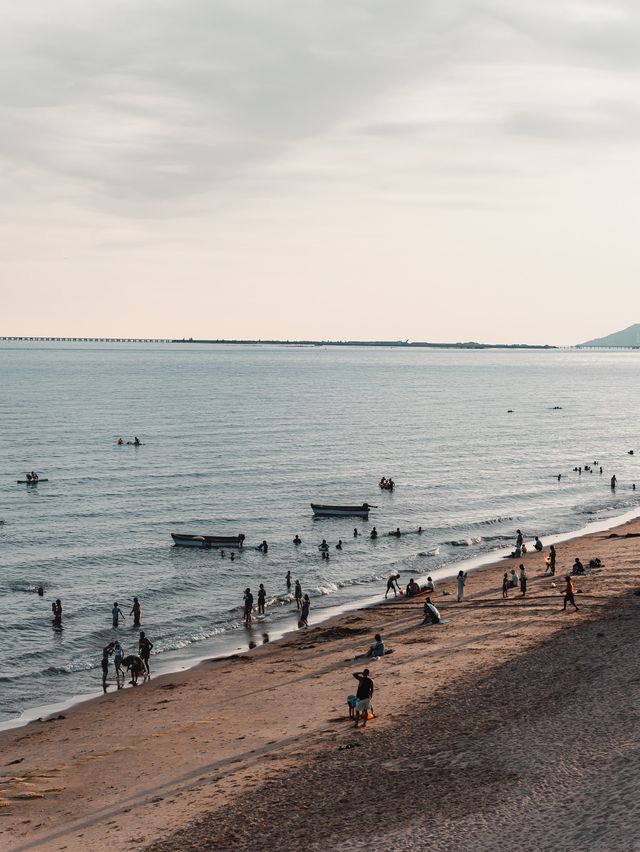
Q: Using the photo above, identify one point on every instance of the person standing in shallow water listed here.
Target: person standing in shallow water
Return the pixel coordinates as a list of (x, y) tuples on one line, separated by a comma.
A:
[(461, 579), (144, 649), (288, 579), (248, 606), (116, 612), (136, 612), (298, 594), (304, 612), (262, 596), (56, 609)]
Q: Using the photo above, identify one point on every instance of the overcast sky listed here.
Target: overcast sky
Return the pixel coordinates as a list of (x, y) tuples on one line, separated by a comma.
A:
[(359, 169)]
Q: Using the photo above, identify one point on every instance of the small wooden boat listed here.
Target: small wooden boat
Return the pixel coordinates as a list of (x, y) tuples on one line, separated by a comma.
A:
[(325, 511), (208, 541), (30, 481)]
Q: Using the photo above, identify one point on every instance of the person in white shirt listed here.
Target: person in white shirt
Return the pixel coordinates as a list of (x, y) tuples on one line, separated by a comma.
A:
[(431, 614)]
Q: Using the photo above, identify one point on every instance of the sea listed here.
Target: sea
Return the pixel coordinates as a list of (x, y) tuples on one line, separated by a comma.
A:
[(241, 439)]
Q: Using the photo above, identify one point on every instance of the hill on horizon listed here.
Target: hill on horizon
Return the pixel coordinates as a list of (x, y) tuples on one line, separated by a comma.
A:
[(627, 337)]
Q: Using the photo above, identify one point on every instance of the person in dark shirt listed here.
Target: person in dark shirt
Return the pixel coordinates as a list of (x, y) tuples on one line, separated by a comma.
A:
[(298, 594), (364, 693), (134, 664), (106, 653), (304, 612), (288, 579), (136, 611), (392, 585), (505, 585), (248, 606), (144, 647), (262, 597)]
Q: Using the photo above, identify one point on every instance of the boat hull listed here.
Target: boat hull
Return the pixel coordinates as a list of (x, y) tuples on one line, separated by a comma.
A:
[(207, 542), (323, 511)]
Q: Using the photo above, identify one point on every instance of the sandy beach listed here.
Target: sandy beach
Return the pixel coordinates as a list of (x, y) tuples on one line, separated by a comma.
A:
[(512, 727)]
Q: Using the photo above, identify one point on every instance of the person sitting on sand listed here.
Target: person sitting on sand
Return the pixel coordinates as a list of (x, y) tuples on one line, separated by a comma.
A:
[(431, 614), (429, 587), (364, 693), (523, 549), (505, 585), (392, 585), (537, 544), (412, 588), (377, 649), (133, 664), (578, 567), (513, 580)]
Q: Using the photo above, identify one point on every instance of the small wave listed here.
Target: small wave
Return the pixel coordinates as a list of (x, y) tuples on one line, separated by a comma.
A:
[(464, 542), (500, 519), (425, 554)]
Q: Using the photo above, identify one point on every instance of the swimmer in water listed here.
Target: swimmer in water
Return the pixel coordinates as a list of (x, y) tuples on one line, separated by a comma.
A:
[(297, 539), (40, 591), (288, 580), (262, 596), (373, 533), (339, 544), (355, 532)]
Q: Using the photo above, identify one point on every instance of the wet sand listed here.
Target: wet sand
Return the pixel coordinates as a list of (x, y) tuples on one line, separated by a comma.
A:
[(512, 727)]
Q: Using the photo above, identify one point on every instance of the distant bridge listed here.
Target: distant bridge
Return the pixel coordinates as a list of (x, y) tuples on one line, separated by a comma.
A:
[(90, 339)]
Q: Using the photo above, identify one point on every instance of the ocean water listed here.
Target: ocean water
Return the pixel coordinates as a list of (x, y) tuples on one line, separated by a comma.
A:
[(242, 439)]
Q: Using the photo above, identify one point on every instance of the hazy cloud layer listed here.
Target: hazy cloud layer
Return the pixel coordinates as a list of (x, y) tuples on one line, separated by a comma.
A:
[(124, 120)]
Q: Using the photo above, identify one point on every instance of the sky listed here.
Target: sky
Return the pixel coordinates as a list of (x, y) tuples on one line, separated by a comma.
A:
[(433, 170)]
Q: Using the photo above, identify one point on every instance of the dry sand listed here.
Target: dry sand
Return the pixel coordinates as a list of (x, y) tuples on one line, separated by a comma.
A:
[(513, 727)]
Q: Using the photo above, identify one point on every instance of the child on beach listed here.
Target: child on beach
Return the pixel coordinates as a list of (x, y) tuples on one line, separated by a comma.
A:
[(505, 585), (513, 579), (523, 581)]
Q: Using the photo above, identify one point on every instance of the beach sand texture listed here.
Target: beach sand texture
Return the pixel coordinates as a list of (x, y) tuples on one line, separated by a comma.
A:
[(513, 727)]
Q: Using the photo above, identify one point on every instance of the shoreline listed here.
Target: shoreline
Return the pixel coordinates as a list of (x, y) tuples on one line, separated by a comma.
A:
[(179, 661), (202, 757)]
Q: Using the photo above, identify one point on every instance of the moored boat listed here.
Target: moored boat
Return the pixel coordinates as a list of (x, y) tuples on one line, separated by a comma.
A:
[(326, 511), (208, 541)]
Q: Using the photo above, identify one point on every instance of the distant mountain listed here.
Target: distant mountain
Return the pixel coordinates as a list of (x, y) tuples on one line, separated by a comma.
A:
[(629, 337)]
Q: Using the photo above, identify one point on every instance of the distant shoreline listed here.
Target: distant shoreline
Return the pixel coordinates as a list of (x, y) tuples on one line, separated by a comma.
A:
[(398, 344)]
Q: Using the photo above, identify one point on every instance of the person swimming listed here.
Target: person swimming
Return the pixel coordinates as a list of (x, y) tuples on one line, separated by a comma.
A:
[(373, 533), (297, 539)]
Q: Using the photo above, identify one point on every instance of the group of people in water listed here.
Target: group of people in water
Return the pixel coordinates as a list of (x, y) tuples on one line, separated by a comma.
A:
[(303, 602), (135, 443), (33, 476), (387, 484)]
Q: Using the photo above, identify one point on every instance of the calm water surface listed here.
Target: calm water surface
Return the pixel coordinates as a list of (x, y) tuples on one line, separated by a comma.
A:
[(242, 439)]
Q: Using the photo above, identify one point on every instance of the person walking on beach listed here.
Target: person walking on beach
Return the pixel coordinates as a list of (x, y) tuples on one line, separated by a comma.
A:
[(298, 594), (116, 612), (523, 581), (288, 580), (364, 694), (461, 579), (304, 612), (505, 585), (106, 653), (136, 612), (262, 596), (392, 585), (56, 609), (144, 649), (248, 606), (569, 591), (552, 559)]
